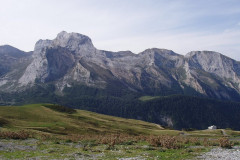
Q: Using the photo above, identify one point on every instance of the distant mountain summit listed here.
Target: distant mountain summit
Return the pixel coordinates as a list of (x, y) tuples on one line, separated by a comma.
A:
[(11, 59), (71, 60)]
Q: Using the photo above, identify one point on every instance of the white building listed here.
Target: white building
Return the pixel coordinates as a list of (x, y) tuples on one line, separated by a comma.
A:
[(212, 127)]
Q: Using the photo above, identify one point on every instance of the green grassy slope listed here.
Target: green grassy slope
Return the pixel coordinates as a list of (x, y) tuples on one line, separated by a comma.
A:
[(40, 118), (45, 131)]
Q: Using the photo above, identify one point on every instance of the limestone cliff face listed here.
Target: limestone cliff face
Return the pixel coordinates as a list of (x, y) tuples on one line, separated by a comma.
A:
[(72, 59), (214, 62), (215, 70), (58, 60)]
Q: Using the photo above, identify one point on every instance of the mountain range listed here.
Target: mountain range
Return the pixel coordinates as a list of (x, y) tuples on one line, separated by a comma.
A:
[(69, 70)]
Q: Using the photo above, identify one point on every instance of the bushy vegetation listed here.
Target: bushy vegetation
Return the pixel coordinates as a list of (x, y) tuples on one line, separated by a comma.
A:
[(14, 134), (3, 122), (60, 108), (225, 143), (156, 141)]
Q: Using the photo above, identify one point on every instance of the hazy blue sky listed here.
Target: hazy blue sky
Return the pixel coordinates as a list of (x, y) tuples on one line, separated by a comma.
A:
[(179, 25)]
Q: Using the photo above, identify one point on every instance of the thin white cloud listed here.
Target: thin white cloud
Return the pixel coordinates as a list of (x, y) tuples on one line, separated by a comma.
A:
[(225, 43)]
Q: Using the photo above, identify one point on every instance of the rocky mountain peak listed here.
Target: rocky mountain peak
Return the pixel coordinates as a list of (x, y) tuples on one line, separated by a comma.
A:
[(10, 51), (202, 54), (71, 59), (162, 52), (42, 44), (7, 50), (205, 59), (214, 62), (72, 40)]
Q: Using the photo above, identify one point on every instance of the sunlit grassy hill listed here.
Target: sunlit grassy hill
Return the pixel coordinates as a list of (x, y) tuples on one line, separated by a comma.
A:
[(40, 118)]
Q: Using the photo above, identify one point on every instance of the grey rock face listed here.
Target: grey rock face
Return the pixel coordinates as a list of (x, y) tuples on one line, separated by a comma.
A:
[(214, 62), (224, 68), (59, 60), (73, 41), (72, 59), (10, 56), (13, 63)]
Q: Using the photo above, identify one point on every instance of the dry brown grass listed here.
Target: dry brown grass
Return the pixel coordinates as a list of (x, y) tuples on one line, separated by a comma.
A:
[(15, 135), (163, 141), (105, 139), (225, 143)]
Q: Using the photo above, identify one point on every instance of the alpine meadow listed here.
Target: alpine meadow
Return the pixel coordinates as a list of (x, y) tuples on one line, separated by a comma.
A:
[(101, 85)]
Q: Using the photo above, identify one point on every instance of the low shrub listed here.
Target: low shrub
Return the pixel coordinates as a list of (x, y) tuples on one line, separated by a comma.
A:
[(60, 108), (3, 122), (15, 135), (168, 142), (225, 143)]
